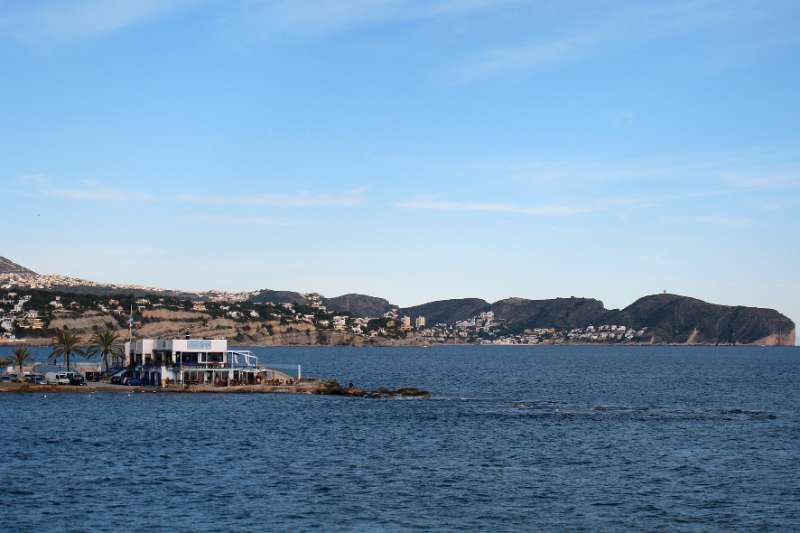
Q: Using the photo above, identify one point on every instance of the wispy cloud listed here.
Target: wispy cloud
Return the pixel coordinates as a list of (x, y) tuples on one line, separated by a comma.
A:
[(717, 220), (677, 176), (79, 18), (350, 198), (494, 207), (606, 27), (763, 180), (528, 57), (234, 220), (38, 180), (314, 17), (91, 191)]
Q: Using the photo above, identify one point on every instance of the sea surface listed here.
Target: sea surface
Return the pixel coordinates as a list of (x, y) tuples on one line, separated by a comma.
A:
[(513, 439)]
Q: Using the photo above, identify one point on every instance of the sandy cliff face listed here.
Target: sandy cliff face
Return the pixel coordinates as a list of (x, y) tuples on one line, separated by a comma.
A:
[(85, 323), (779, 339)]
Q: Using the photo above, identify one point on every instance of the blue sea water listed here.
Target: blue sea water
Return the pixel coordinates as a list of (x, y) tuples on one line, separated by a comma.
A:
[(513, 439)]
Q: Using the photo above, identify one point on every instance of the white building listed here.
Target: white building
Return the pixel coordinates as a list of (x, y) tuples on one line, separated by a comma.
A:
[(193, 361), (419, 322)]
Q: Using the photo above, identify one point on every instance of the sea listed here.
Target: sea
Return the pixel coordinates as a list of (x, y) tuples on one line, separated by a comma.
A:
[(557, 438)]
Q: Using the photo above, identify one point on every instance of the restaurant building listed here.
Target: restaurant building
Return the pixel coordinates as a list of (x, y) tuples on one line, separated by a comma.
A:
[(195, 361)]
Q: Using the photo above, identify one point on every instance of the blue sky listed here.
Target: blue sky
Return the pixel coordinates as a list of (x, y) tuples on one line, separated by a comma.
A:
[(410, 149)]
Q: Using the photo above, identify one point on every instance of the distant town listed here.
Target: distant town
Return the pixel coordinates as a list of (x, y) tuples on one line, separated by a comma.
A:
[(32, 306)]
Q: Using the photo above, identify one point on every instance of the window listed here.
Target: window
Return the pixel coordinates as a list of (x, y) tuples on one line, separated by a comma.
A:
[(215, 357)]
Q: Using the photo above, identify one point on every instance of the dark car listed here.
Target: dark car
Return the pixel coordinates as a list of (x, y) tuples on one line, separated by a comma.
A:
[(36, 379), (78, 380), (133, 382), (118, 378), (94, 376)]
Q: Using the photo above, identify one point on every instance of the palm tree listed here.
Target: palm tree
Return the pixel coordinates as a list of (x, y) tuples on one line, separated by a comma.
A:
[(66, 344), (105, 344), (21, 354)]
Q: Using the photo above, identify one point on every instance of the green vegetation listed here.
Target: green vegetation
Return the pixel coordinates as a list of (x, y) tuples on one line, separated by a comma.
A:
[(21, 355), (105, 344), (66, 344)]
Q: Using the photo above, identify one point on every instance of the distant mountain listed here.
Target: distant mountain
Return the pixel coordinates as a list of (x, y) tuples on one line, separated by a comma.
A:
[(110, 290), (681, 319), (560, 313), (447, 311), (359, 305), (9, 267), (279, 297), (669, 318)]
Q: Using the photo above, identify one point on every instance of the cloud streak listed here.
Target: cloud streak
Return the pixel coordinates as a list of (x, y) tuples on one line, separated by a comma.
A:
[(529, 57), (96, 192), (763, 180), (83, 18), (326, 16), (494, 207), (234, 220), (606, 28), (716, 220), (352, 198)]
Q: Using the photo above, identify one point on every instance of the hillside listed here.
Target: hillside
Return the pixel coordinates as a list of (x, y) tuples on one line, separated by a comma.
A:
[(360, 305), (279, 297), (668, 318), (681, 319), (659, 318), (9, 267), (447, 311), (559, 313)]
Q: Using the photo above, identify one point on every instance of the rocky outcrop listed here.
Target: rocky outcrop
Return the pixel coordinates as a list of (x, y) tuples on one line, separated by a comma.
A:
[(778, 339), (671, 318), (333, 388)]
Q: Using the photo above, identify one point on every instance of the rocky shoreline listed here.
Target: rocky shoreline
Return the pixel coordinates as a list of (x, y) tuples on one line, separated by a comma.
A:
[(311, 386)]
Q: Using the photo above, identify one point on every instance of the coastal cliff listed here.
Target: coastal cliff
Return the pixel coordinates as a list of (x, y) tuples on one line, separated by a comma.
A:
[(287, 318), (667, 318), (681, 319)]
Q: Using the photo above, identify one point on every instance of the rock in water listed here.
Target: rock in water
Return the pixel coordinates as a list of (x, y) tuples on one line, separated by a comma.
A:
[(333, 388)]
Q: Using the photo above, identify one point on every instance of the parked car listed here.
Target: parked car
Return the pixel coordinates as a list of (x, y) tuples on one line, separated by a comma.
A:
[(6, 378), (36, 379), (133, 382), (59, 378), (118, 378), (77, 379)]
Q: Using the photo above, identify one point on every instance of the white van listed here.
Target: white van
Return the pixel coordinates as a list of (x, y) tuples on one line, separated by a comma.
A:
[(58, 378)]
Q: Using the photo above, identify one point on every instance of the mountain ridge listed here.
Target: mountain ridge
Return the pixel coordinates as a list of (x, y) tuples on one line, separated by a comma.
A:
[(670, 318), (8, 266)]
